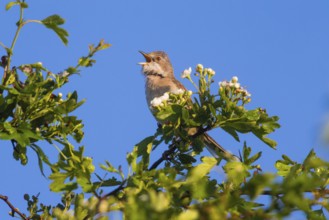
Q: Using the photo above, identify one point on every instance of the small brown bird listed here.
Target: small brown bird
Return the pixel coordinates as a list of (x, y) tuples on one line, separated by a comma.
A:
[(160, 79)]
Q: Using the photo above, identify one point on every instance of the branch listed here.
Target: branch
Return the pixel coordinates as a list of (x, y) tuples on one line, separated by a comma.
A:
[(277, 193), (13, 209), (164, 156), (115, 191)]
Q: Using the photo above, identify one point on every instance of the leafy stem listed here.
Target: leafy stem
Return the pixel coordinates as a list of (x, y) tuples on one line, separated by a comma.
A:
[(19, 24)]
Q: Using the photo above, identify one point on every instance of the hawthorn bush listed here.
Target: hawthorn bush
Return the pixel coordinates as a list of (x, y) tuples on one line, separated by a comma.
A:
[(178, 185)]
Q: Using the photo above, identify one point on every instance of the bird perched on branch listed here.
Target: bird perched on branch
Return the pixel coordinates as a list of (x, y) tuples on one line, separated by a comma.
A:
[(160, 78)]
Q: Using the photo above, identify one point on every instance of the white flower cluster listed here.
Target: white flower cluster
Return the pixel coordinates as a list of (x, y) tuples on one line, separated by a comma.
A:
[(233, 83), (158, 101)]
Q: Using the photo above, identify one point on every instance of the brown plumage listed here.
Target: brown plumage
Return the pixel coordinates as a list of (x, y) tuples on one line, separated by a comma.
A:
[(160, 79)]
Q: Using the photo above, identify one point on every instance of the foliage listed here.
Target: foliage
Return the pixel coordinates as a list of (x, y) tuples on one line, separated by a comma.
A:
[(180, 184)]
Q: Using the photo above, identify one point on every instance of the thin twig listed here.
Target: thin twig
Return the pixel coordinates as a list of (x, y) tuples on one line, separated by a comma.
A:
[(13, 209), (115, 191), (164, 156)]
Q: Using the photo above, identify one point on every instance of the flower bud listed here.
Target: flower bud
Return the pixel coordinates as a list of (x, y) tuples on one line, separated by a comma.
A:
[(189, 92), (234, 79), (199, 68), (60, 95), (211, 72)]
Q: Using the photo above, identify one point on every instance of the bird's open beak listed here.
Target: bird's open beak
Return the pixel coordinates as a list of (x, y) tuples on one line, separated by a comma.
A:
[(147, 58)]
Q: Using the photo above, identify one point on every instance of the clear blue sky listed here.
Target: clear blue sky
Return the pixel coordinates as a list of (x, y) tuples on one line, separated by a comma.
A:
[(278, 49)]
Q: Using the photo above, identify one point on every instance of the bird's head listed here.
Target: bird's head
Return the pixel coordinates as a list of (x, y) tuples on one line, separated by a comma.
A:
[(156, 63)]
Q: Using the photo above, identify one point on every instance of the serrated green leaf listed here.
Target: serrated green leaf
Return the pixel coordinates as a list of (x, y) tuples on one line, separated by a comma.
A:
[(53, 22), (58, 183), (84, 182)]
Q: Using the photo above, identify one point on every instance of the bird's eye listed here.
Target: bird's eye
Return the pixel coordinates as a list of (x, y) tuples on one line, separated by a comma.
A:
[(158, 58)]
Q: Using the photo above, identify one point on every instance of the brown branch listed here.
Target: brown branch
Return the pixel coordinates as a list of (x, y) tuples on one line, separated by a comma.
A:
[(13, 209)]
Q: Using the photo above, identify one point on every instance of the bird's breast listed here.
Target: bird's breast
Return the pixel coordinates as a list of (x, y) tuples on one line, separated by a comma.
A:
[(156, 86)]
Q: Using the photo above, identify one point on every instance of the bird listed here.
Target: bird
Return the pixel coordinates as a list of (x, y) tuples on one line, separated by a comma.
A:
[(160, 79)]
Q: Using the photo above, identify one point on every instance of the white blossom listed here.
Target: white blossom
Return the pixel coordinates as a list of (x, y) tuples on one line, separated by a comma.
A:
[(156, 102), (186, 73), (189, 92), (223, 83), (165, 96), (237, 85), (179, 91)]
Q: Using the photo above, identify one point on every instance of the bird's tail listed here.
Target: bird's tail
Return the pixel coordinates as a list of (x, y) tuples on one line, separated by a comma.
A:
[(217, 150)]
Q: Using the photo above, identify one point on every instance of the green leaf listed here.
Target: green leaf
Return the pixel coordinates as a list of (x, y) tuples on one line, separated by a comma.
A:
[(236, 172), (283, 168), (109, 167), (109, 182), (232, 132), (144, 149), (186, 159), (202, 169), (253, 158), (86, 61), (85, 183), (256, 184), (11, 4), (58, 183), (53, 22)]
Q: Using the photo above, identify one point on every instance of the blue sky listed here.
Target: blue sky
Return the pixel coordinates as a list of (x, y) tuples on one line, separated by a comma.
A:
[(278, 49)]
